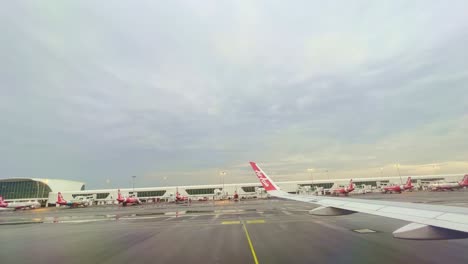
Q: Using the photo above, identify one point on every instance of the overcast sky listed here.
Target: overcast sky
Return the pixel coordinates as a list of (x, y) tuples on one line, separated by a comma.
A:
[(103, 90)]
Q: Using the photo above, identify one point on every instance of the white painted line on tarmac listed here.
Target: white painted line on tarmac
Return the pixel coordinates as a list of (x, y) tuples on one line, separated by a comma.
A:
[(364, 231), (84, 221), (138, 218), (175, 213)]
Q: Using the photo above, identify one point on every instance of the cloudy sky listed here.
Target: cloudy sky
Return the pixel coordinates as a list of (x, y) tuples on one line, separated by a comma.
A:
[(103, 90)]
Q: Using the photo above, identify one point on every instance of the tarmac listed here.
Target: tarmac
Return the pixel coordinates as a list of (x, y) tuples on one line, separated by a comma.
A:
[(251, 231)]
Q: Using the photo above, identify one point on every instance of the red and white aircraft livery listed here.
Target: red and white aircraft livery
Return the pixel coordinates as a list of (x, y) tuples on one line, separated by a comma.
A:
[(398, 188), (180, 198), (71, 204), (128, 200), (427, 221), (20, 205), (343, 190), (449, 186)]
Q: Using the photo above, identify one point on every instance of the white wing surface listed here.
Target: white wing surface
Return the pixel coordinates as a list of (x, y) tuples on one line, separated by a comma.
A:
[(427, 221)]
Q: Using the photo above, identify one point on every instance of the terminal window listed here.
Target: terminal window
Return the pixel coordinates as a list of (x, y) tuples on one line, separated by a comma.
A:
[(19, 189), (319, 185), (151, 193), (371, 183), (250, 188), (200, 191)]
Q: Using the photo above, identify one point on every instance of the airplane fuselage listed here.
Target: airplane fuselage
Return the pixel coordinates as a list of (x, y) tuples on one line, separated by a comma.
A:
[(395, 189), (128, 201), (442, 186), (445, 186), (18, 206), (71, 203)]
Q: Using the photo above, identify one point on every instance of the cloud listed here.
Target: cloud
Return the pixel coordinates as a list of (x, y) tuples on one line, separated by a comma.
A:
[(93, 91)]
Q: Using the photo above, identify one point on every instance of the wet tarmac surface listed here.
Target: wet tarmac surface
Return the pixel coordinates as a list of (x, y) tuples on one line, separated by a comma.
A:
[(278, 231)]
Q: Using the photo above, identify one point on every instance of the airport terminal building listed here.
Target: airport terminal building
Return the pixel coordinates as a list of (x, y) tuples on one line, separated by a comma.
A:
[(35, 189), (45, 190), (245, 190)]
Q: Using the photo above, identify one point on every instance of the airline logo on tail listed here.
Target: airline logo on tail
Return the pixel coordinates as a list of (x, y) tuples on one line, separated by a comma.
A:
[(464, 182), (120, 198), (409, 184), (2, 202), (264, 180), (60, 198), (351, 186)]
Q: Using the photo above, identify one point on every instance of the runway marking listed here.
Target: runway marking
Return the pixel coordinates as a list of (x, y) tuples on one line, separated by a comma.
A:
[(142, 218), (364, 231), (83, 221), (257, 221), (230, 222), (254, 255), (286, 212)]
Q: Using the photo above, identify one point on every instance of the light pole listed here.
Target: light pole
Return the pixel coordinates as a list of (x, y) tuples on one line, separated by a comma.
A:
[(381, 172), (222, 174), (311, 178), (165, 181), (398, 169), (133, 183)]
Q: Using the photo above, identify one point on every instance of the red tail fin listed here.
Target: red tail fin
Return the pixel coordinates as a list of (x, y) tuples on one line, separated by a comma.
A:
[(464, 182), (266, 182), (119, 195), (2, 202), (408, 182), (351, 185), (60, 197)]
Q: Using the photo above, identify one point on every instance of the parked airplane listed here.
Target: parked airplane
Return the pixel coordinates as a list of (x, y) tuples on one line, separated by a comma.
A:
[(72, 204), (450, 186), (343, 190), (127, 201), (398, 188), (180, 198), (427, 221), (19, 205)]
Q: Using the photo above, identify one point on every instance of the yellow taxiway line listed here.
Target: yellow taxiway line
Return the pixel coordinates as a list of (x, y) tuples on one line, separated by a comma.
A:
[(259, 221), (254, 255), (230, 222)]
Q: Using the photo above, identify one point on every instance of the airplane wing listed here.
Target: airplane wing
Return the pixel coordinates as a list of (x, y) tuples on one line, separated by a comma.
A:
[(427, 221)]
